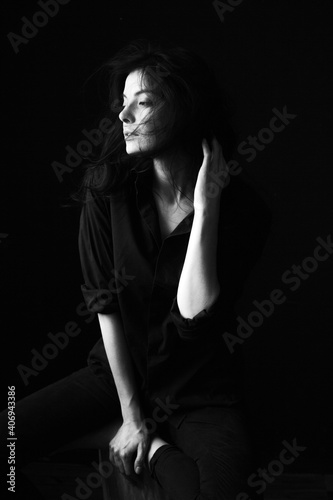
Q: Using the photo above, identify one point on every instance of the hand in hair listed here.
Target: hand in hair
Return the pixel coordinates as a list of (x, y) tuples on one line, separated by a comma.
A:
[(212, 178)]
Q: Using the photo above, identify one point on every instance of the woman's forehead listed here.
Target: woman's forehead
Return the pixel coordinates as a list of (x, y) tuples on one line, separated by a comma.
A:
[(135, 82)]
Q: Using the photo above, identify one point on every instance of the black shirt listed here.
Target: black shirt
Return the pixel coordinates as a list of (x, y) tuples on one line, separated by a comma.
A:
[(128, 268)]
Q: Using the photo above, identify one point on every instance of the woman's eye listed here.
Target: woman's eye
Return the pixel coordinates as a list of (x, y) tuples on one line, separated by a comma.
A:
[(145, 103)]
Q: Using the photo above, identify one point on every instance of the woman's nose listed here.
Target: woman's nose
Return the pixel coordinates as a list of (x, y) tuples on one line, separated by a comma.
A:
[(126, 116)]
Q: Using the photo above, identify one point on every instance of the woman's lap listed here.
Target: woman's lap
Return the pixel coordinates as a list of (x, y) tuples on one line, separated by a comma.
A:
[(215, 438), (218, 441)]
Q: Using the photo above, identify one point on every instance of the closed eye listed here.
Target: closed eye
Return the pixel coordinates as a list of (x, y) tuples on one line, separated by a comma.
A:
[(145, 103), (141, 103)]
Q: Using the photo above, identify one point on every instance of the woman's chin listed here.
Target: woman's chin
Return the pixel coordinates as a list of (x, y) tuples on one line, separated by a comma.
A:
[(131, 148)]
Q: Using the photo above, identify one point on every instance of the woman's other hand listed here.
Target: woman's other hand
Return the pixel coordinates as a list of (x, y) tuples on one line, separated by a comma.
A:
[(129, 447)]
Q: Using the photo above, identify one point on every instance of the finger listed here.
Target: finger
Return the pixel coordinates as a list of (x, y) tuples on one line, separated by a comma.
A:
[(115, 459), (207, 156), (218, 153), (224, 170), (138, 464), (118, 462), (216, 150), (127, 464), (220, 166), (205, 147), (111, 455), (215, 156), (223, 163)]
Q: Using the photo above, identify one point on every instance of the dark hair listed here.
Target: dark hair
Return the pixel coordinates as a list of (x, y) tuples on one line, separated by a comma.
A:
[(189, 96)]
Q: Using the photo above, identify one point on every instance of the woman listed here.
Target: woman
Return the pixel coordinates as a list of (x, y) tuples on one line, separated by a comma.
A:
[(164, 251), (166, 242)]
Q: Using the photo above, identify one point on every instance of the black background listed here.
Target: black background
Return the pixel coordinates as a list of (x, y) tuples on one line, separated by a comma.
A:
[(268, 54)]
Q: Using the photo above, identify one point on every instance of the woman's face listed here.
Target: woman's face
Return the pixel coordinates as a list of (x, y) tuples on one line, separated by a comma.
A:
[(139, 102)]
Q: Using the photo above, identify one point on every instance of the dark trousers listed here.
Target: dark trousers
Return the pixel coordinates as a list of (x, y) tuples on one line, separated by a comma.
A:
[(216, 438)]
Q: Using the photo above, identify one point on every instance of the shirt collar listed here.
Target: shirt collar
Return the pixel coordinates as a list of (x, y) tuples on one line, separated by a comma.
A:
[(147, 206)]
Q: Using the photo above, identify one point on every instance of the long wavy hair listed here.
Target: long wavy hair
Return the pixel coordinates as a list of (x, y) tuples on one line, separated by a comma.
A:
[(189, 98)]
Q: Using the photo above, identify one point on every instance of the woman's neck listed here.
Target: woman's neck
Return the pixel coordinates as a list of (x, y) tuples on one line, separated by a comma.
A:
[(168, 171)]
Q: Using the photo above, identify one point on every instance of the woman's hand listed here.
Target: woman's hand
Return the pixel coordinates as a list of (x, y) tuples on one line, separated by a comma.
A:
[(129, 447), (212, 177)]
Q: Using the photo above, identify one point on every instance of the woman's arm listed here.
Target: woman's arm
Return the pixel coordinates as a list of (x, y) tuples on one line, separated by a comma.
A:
[(198, 285), (132, 437)]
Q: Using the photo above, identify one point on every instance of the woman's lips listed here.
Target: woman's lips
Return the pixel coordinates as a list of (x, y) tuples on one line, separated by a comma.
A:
[(129, 135)]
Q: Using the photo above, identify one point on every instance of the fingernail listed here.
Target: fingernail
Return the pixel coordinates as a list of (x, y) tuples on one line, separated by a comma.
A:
[(138, 470)]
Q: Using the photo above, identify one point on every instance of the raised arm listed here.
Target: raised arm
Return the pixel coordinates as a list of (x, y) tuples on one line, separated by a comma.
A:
[(130, 444), (198, 286)]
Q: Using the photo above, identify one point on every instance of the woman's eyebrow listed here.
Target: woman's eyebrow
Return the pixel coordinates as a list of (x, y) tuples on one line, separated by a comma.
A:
[(141, 92)]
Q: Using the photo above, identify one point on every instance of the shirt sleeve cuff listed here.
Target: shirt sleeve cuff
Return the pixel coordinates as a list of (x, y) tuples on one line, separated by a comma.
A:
[(99, 301), (191, 328)]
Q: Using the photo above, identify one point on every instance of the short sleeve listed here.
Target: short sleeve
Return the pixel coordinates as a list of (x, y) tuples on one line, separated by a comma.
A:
[(205, 320), (96, 256)]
